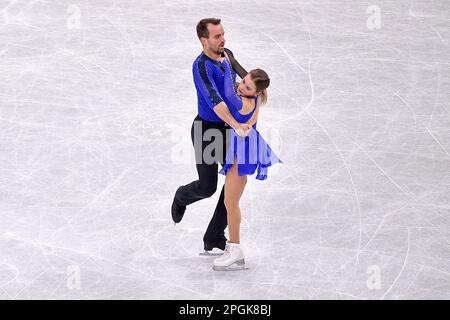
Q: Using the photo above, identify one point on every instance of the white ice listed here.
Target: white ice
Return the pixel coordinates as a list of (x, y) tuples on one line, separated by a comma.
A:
[(96, 104)]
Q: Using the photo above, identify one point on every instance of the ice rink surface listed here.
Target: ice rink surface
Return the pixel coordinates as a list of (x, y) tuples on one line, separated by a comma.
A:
[(96, 105)]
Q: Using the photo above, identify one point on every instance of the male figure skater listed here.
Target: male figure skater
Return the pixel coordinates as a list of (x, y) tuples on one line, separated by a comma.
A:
[(213, 113)]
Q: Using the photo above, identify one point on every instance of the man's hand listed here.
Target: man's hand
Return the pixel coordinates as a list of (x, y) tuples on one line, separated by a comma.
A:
[(243, 129)]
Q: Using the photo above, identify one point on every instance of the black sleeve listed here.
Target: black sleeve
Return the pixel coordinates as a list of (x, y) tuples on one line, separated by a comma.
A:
[(236, 66)]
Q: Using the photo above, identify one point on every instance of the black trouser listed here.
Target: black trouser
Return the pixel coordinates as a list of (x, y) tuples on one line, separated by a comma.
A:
[(206, 185)]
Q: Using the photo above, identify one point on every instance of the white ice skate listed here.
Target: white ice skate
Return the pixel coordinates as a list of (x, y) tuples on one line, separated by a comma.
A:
[(231, 260)]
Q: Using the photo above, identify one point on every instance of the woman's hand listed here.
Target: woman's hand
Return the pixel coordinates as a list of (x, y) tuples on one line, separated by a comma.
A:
[(222, 59), (243, 129)]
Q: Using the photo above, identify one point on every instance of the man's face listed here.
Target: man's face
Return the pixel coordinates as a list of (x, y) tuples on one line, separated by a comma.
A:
[(216, 41)]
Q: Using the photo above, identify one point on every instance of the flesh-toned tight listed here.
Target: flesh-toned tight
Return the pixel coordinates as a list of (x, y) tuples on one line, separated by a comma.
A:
[(234, 186)]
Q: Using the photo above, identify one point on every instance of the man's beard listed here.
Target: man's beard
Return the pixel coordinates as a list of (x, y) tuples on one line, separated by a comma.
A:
[(219, 50)]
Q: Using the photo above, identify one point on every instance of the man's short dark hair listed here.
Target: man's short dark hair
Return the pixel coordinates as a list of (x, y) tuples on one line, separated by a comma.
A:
[(202, 26)]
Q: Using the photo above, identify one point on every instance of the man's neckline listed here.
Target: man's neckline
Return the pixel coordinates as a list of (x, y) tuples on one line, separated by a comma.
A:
[(204, 53)]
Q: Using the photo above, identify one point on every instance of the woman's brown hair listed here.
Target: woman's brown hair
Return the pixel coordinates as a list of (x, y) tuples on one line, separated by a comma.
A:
[(262, 82)]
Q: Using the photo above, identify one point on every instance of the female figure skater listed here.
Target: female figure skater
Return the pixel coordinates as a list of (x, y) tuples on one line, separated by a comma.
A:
[(245, 155)]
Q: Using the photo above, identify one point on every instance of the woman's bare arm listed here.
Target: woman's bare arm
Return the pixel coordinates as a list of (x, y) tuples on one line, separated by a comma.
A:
[(254, 117)]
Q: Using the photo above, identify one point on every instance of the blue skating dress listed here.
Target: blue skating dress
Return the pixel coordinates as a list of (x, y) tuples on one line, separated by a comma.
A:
[(252, 152)]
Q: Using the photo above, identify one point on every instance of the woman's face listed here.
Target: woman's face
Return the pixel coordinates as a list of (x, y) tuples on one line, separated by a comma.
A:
[(246, 87)]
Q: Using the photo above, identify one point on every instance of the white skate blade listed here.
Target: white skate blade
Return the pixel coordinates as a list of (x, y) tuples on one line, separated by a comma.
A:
[(237, 266), (210, 253)]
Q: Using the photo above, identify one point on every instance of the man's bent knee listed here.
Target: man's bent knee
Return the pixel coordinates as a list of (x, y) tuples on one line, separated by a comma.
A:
[(208, 190)]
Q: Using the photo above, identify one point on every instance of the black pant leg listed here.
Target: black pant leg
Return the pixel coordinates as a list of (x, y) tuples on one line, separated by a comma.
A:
[(206, 185), (215, 233), (199, 189)]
